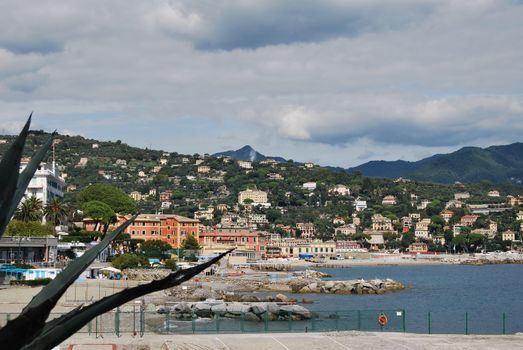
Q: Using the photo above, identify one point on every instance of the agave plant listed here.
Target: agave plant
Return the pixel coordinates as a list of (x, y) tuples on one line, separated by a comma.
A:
[(30, 330)]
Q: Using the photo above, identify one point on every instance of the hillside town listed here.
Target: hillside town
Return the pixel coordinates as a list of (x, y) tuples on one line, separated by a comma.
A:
[(269, 209)]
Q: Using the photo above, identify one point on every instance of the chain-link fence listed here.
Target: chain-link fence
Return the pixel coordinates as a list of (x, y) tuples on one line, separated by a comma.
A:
[(139, 322)]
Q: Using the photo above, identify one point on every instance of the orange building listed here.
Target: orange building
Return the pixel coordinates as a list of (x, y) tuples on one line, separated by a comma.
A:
[(212, 237), (173, 229), (169, 228)]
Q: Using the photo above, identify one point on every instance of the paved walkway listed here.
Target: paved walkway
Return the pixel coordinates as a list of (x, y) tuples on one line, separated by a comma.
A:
[(300, 341)]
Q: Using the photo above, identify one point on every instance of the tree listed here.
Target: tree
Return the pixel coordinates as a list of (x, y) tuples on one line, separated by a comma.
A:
[(55, 212), (126, 261), (100, 212), (30, 210), (112, 196), (190, 243), (29, 228), (155, 249)]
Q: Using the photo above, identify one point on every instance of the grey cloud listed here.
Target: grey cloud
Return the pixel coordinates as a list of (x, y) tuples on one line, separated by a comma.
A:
[(323, 76), (251, 25)]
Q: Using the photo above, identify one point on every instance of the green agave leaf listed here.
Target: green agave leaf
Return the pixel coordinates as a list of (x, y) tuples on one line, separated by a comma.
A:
[(58, 330), (59, 285), (9, 170), (21, 330), (25, 177)]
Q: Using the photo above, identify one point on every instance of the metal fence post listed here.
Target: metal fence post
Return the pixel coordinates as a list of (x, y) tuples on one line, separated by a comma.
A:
[(404, 321), (96, 326), (217, 320), (359, 320), (7, 317), (142, 321), (337, 321), (429, 322), (313, 324), (193, 325), (241, 322), (117, 322), (167, 322), (504, 324), (266, 321), (289, 321), (89, 327), (466, 323)]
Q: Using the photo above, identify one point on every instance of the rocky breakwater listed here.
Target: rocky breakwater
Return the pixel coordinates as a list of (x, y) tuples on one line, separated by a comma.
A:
[(255, 312), (376, 286)]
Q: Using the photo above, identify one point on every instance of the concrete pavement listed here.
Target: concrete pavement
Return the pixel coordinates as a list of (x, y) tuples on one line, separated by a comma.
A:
[(301, 341)]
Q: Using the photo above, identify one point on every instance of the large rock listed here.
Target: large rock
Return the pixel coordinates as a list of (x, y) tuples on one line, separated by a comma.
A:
[(219, 309), (273, 308), (202, 309), (281, 298), (237, 308), (249, 316), (249, 298), (298, 310), (329, 284), (259, 308), (181, 308)]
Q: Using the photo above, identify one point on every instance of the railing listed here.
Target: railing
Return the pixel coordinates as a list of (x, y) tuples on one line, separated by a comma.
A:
[(138, 322)]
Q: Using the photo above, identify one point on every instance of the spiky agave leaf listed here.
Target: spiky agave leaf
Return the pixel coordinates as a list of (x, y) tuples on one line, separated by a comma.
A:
[(21, 330), (58, 330), (25, 176), (9, 173)]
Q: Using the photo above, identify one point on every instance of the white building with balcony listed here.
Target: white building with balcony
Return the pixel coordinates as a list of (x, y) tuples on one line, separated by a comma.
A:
[(46, 183)]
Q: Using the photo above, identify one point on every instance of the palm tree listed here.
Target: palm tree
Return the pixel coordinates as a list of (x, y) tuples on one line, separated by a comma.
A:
[(30, 210), (55, 211)]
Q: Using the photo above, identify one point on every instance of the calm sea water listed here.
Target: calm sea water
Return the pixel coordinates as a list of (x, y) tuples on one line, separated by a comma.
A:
[(448, 292)]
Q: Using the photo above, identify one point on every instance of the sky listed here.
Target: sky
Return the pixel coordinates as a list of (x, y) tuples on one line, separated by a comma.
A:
[(333, 82)]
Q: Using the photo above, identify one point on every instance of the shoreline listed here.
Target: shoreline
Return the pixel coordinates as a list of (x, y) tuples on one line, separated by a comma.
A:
[(403, 260)]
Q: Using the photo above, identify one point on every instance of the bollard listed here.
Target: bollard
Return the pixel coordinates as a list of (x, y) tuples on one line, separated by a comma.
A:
[(504, 324), (429, 323)]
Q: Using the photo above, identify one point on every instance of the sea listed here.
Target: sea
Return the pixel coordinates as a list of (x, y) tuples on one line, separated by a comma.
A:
[(485, 299)]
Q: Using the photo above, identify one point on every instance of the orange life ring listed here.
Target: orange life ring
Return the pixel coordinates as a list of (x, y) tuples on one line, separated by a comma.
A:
[(382, 320)]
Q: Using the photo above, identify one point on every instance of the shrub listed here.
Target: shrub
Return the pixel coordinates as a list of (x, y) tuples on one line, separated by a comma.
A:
[(126, 261), (171, 264), (31, 283)]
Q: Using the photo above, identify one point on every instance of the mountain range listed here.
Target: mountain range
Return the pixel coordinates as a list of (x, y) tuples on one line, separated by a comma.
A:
[(496, 164), (468, 164), (247, 153)]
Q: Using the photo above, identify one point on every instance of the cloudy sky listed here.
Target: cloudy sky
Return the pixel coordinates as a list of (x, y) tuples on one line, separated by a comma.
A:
[(331, 81)]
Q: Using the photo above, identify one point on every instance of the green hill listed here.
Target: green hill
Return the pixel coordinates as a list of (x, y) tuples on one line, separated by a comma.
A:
[(498, 164)]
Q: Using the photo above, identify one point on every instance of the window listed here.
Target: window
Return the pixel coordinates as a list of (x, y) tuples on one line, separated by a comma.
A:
[(143, 232)]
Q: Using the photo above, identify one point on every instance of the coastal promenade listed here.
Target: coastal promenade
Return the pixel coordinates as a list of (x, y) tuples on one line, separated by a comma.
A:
[(298, 341)]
